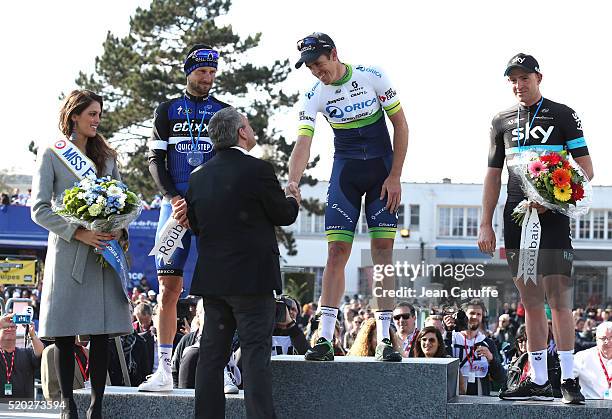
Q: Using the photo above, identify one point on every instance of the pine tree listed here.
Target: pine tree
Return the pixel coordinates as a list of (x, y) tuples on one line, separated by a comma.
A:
[(137, 72)]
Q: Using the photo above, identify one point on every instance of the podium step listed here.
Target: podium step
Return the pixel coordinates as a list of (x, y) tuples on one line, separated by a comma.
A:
[(129, 403), (351, 388), (473, 406), (361, 387)]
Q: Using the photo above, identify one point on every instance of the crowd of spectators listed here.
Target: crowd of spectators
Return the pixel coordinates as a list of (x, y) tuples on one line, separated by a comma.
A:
[(16, 197), (497, 348)]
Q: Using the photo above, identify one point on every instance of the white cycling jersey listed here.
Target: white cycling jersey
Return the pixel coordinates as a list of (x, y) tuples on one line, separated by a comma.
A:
[(353, 106)]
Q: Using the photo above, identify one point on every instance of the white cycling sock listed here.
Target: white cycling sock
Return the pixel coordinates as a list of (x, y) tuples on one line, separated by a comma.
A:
[(383, 322), (328, 322)]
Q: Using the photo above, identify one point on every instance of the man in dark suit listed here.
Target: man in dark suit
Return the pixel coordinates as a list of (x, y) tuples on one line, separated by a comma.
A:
[(234, 202)]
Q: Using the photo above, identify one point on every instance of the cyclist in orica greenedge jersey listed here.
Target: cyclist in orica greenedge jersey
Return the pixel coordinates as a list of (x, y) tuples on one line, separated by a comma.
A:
[(352, 99)]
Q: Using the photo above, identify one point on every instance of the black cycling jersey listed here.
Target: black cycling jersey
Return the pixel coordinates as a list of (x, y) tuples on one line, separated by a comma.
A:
[(555, 127)]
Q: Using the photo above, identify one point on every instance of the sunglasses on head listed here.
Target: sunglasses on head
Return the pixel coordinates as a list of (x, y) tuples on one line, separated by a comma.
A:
[(310, 43), (404, 316), (204, 55)]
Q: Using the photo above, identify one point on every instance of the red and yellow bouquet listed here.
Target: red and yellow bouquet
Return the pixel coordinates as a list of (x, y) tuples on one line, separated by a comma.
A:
[(554, 181)]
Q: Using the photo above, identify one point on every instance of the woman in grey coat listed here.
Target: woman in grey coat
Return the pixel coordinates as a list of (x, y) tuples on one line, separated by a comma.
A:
[(79, 295)]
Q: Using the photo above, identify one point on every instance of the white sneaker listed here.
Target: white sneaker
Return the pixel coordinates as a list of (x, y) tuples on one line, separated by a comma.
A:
[(159, 381), (229, 384)]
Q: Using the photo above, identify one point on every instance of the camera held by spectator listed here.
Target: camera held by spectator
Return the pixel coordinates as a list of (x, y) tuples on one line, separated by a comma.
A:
[(459, 320)]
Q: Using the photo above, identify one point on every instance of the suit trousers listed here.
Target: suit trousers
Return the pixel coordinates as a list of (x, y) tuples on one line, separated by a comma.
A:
[(253, 316)]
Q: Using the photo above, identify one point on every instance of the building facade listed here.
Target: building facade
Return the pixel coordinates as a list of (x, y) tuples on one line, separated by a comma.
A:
[(442, 221)]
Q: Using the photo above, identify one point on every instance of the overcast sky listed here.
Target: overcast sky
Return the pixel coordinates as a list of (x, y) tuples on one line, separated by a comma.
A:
[(446, 58)]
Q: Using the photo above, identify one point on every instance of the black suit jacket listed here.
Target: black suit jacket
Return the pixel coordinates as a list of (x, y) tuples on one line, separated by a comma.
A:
[(234, 201)]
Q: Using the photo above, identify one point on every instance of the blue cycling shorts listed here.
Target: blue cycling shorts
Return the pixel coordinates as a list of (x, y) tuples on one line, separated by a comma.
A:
[(350, 180), (177, 262)]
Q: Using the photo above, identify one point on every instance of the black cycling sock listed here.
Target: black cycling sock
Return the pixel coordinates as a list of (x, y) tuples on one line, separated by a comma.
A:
[(63, 358), (98, 367)]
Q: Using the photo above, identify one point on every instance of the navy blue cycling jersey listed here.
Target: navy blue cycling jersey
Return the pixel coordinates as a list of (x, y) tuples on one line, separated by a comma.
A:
[(171, 139), (555, 127)]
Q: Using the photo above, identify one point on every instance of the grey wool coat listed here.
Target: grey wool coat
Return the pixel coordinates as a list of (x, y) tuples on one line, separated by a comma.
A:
[(79, 296)]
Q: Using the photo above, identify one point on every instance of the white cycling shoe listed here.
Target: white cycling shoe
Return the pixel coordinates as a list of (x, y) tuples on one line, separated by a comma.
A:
[(159, 381)]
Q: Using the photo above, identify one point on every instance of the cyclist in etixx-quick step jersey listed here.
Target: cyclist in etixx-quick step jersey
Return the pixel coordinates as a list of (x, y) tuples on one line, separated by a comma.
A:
[(353, 99), (179, 143)]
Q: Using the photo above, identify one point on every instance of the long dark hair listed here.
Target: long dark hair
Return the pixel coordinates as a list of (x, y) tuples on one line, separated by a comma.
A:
[(418, 351), (97, 149)]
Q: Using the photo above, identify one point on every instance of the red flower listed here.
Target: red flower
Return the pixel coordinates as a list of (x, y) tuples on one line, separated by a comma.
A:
[(561, 177), (551, 159), (566, 164), (577, 192)]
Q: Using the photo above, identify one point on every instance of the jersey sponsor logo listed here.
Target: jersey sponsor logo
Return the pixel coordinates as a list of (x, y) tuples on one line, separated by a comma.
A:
[(180, 110), (329, 102), (341, 211), (390, 94), (380, 211), (186, 146), (536, 133), (336, 112), (369, 70), (578, 121), (304, 117), (357, 89), (311, 93), (184, 127)]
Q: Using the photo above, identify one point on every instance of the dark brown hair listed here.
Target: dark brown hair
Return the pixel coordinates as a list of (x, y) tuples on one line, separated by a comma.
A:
[(418, 350), (97, 149)]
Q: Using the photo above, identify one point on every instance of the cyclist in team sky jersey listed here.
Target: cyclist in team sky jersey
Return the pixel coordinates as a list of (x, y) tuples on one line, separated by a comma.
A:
[(536, 123), (352, 99), (178, 145)]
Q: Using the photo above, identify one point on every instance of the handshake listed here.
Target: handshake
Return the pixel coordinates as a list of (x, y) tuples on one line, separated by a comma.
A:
[(292, 189)]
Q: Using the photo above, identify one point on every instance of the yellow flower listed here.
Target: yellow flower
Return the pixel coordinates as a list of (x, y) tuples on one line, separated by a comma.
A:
[(563, 193)]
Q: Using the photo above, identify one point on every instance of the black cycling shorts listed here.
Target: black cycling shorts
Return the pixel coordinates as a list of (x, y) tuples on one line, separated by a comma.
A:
[(556, 254)]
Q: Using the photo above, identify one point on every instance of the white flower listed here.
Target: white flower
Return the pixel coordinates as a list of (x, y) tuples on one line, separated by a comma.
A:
[(81, 195), (114, 190), (87, 184), (94, 210), (101, 200)]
